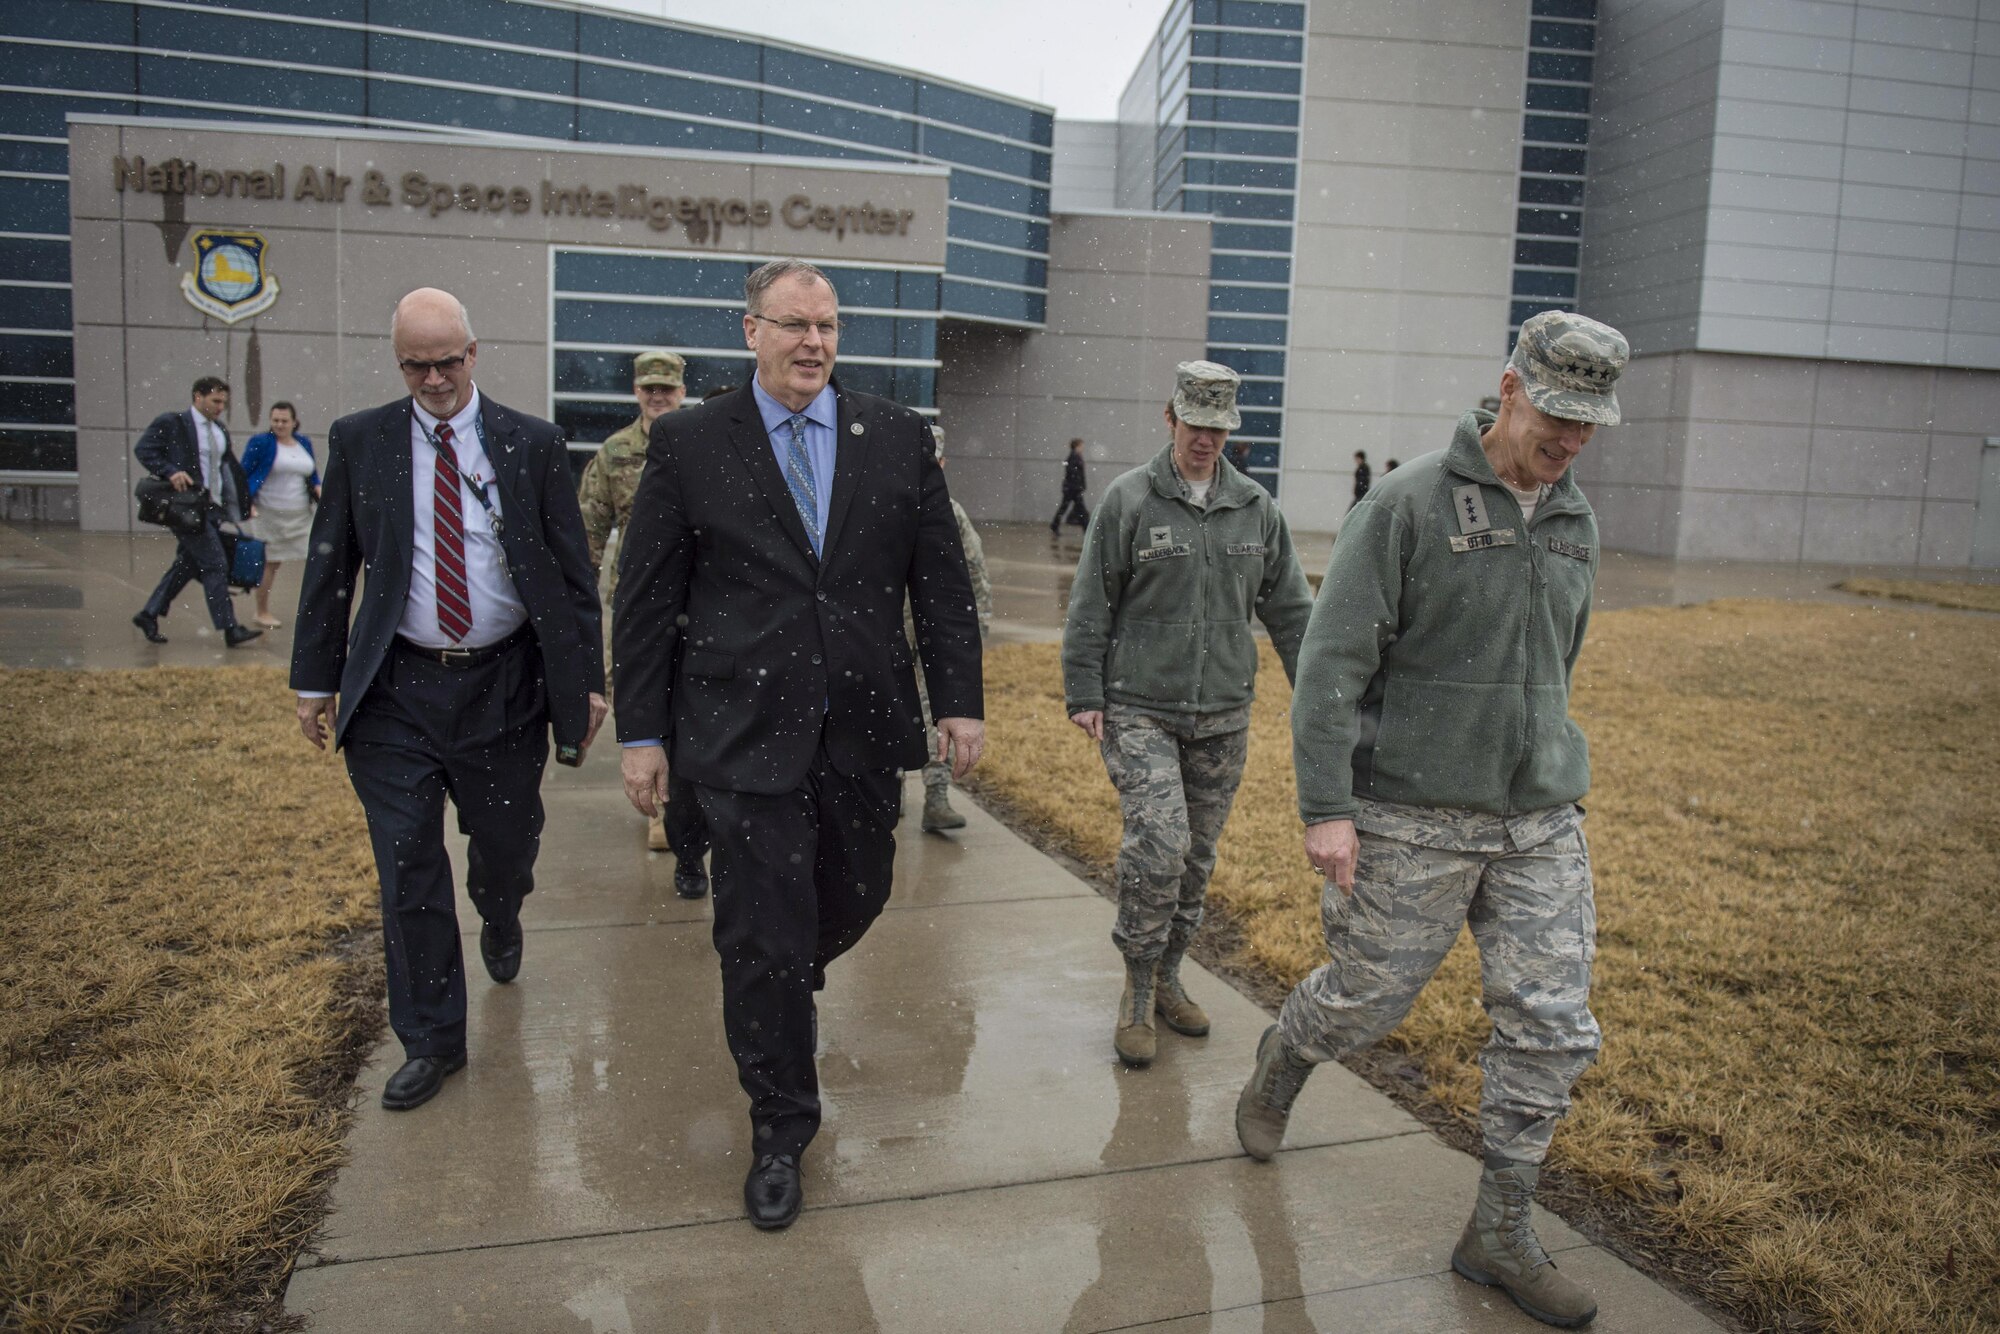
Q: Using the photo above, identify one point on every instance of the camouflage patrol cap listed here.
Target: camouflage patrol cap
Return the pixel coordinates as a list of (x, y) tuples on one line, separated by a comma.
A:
[(1205, 395), (657, 368), (1568, 364)]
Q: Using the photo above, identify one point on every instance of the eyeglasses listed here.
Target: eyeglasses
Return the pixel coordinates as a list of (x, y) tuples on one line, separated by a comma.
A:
[(828, 329), (445, 365)]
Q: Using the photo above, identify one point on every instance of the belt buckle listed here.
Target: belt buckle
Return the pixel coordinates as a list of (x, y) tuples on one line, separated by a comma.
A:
[(456, 657)]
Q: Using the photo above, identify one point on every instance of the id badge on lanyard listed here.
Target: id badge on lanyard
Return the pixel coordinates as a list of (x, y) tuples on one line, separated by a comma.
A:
[(448, 458)]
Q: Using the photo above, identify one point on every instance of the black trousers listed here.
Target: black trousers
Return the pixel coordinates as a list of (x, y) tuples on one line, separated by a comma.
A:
[(687, 832), (798, 879), (478, 735), (198, 556), (1072, 505)]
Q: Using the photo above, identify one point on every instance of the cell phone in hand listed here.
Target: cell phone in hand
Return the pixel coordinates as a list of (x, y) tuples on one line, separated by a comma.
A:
[(570, 755)]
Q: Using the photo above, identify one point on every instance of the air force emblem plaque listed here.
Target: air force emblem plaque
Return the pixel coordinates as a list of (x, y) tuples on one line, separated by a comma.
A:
[(230, 280)]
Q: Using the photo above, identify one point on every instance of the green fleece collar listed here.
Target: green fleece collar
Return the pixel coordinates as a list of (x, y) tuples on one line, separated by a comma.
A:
[(1230, 490), (1468, 459)]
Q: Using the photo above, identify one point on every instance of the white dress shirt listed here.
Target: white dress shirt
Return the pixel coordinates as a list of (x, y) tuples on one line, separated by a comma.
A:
[(497, 610), (208, 438)]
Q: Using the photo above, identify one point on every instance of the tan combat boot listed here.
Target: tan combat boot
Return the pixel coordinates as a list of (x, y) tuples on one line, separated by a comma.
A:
[(1135, 1037), (1170, 1001), (1265, 1106), (1499, 1249), (938, 814), (656, 833)]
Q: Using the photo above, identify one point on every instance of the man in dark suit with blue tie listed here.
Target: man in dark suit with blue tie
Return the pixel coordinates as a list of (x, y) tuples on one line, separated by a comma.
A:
[(191, 450), (476, 635), (758, 637)]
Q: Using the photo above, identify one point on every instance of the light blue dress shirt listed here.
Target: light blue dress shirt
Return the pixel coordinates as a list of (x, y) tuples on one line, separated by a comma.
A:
[(822, 438)]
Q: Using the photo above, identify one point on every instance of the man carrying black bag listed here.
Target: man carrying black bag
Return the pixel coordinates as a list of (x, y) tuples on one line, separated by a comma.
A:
[(191, 451)]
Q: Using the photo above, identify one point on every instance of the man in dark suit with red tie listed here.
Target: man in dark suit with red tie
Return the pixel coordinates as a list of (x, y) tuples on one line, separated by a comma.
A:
[(758, 639), (191, 450), (476, 635)]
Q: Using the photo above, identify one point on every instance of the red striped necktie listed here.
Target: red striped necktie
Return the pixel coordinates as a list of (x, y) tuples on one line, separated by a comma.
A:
[(454, 603)]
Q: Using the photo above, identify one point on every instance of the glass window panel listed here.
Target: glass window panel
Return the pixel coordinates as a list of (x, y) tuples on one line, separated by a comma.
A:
[(833, 78), (1170, 183), (1557, 97), (591, 422), (346, 11), (1263, 456), (271, 89), (1562, 36), (1550, 190), (1549, 65), (869, 379), (832, 122), (1226, 205), (482, 111), (647, 275), (1235, 329), (966, 225), (1265, 424), (1556, 130), (1244, 110), (35, 206), (1539, 282), (67, 22), (670, 48), (955, 107), (1521, 311), (916, 339), (35, 261), (545, 28), (1249, 143), (1249, 363), (791, 143), (472, 64), (1222, 171), (1566, 9), (16, 155), (707, 373), (56, 67), (917, 291), (971, 188), (597, 126), (998, 302), (32, 354), (950, 146), (307, 44), (574, 372), (1248, 46), (1249, 300), (1260, 394), (1548, 222), (1560, 161), (640, 324), (967, 262), (43, 404), (915, 386), (41, 113), (1250, 269), (1245, 78), (1258, 14), (1172, 140), (38, 451), (1227, 236), (1558, 253)]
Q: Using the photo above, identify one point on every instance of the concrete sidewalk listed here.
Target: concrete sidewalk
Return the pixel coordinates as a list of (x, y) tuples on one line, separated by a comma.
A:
[(985, 1162)]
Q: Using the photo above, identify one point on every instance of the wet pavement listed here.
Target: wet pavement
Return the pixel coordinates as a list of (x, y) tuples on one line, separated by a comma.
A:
[(985, 1162)]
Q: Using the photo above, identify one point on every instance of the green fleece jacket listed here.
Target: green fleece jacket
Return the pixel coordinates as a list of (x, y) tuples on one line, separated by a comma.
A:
[(1159, 613), (1436, 667)]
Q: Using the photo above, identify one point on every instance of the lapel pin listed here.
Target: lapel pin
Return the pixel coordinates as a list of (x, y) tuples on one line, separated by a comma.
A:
[(854, 428)]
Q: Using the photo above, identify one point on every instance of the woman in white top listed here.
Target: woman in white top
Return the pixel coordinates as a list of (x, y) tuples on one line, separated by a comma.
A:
[(284, 486)]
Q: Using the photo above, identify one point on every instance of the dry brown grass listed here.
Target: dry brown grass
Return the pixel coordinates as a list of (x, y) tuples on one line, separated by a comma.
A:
[(1797, 846), (180, 1024), (1970, 597)]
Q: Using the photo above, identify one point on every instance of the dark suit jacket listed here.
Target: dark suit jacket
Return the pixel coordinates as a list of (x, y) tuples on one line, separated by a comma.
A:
[(732, 640), (367, 514), (168, 446)]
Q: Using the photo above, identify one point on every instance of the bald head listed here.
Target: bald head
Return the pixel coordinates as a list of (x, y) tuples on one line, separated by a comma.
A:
[(432, 338)]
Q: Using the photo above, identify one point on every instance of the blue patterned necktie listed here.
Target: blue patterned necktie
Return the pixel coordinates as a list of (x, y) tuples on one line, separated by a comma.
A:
[(799, 479)]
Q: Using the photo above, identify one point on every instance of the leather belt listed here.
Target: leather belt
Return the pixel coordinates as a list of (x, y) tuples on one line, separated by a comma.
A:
[(467, 657)]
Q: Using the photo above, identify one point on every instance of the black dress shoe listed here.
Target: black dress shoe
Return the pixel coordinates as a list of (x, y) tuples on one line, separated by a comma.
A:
[(149, 626), (500, 946), (239, 634), (419, 1080), (691, 882), (771, 1192)]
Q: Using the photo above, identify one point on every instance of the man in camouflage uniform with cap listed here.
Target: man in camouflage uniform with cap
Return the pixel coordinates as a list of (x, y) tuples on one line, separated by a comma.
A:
[(1159, 666), (938, 813), (1439, 775), (659, 383)]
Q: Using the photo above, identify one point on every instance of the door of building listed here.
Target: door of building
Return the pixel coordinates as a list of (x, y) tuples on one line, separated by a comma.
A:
[(1986, 523)]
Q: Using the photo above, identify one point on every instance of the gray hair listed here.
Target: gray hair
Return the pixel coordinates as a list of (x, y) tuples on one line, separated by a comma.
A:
[(464, 320), (764, 278)]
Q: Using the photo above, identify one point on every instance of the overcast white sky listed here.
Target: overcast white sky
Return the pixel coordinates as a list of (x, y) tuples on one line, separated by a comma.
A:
[(1074, 55)]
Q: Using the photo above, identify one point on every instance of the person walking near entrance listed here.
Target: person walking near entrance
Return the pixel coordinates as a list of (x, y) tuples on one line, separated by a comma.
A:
[(1439, 774), (1159, 664), (284, 486), (1071, 504), (190, 450), (475, 636)]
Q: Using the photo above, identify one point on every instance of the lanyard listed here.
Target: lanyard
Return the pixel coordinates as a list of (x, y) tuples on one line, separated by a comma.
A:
[(449, 461)]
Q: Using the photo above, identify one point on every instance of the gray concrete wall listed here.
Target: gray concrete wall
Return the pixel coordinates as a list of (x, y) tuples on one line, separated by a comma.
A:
[(342, 265), (1128, 299), (1402, 264), (1083, 166), (1726, 457)]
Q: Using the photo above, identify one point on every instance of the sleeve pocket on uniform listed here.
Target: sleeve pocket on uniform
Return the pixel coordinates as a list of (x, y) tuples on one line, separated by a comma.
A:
[(702, 662)]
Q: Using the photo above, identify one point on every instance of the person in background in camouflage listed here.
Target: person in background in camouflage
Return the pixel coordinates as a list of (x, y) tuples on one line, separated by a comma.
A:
[(659, 383), (938, 812), (1439, 772), (1159, 668)]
